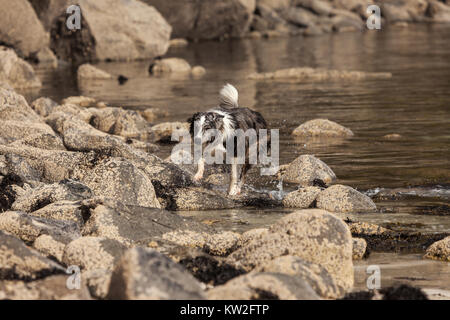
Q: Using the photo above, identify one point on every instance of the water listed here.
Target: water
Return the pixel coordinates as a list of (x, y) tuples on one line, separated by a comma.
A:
[(415, 103)]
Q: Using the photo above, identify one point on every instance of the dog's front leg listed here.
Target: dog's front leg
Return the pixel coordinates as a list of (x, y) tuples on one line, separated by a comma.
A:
[(200, 170), (235, 188)]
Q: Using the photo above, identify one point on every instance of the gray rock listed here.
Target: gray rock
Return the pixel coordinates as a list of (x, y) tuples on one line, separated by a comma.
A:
[(264, 286), (314, 235), (322, 128), (93, 253), (29, 228), (302, 198), (316, 276), (307, 168), (206, 19), (440, 250), (14, 130), (21, 28), (18, 262), (196, 198), (89, 72), (133, 225), (33, 199), (13, 106), (67, 210), (112, 29), (302, 74), (341, 199), (359, 248), (50, 288), (147, 274), (16, 72)]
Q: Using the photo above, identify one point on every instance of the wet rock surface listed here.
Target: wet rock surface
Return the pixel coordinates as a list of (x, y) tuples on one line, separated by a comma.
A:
[(439, 250), (147, 274), (339, 198), (305, 169), (321, 128)]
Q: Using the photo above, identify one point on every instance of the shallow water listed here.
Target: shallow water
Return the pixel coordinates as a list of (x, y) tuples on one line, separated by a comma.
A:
[(415, 103)]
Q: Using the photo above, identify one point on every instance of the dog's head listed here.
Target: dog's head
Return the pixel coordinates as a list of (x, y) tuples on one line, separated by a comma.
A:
[(201, 122)]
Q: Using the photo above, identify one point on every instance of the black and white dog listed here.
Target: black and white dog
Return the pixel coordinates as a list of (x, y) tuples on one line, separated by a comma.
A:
[(226, 119)]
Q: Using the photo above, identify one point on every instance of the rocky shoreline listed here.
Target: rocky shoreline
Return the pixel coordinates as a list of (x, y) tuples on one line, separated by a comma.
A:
[(81, 186)]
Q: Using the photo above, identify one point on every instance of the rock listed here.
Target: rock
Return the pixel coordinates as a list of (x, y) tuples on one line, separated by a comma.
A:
[(50, 246), (164, 131), (277, 5), (178, 42), (252, 234), (305, 74), (131, 225), (359, 248), (367, 229), (75, 211), (346, 21), (198, 71), (342, 199), (199, 199), (33, 199), (121, 122), (302, 198), (206, 19), (29, 228), (314, 235), (264, 286), (46, 57), (98, 282), (301, 17), (80, 101), (322, 128), (21, 28), (89, 72), (307, 168), (322, 8), (43, 106), (120, 180), (37, 134), (438, 11), (186, 238), (151, 114), (439, 250), (18, 262), (169, 65), (16, 72), (50, 288), (112, 30), (316, 276), (93, 253), (394, 13), (222, 244), (13, 106), (392, 136), (147, 274)]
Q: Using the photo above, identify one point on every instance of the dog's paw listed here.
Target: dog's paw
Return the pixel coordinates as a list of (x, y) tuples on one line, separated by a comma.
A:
[(197, 178), (234, 190)]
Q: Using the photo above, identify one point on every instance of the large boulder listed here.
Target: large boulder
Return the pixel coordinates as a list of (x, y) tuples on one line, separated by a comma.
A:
[(13, 106), (439, 250), (147, 274), (342, 199), (131, 225), (314, 235), (110, 30), (307, 168), (302, 198), (206, 19), (317, 277), (21, 28), (15, 71), (19, 262), (263, 286), (29, 228)]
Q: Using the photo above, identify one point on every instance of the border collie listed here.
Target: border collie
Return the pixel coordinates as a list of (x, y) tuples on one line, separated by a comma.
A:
[(226, 118)]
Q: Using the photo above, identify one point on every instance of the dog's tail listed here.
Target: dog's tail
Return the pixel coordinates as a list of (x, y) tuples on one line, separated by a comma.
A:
[(228, 97)]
